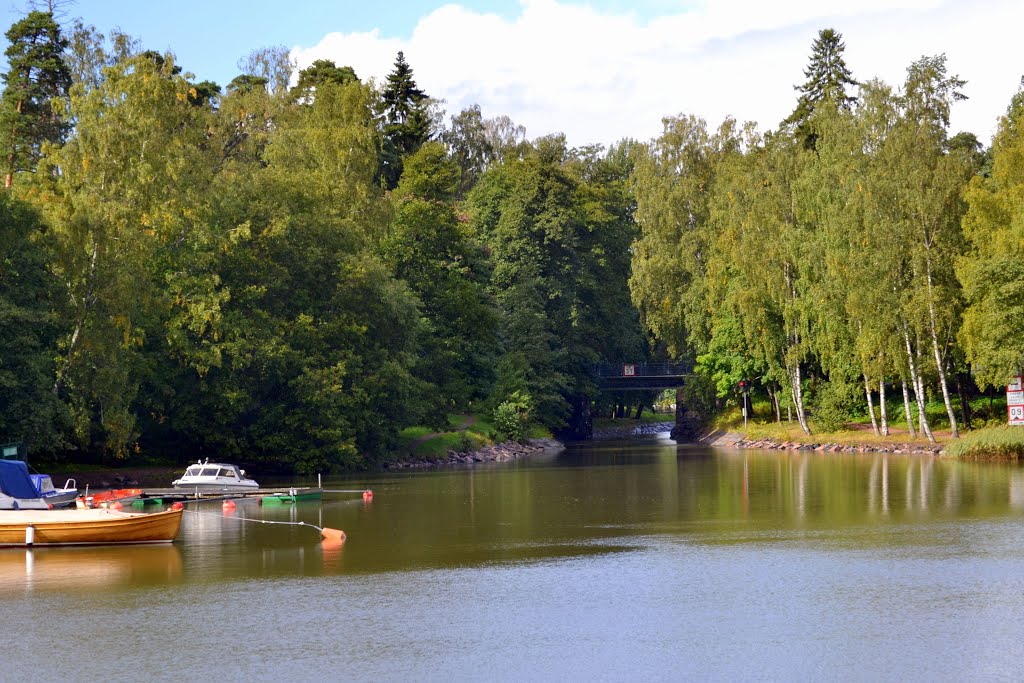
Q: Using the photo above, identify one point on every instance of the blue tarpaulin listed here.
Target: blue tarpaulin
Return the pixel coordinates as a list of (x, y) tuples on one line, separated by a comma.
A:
[(14, 480)]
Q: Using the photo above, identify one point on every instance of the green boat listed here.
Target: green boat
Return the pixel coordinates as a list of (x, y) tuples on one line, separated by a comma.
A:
[(291, 496)]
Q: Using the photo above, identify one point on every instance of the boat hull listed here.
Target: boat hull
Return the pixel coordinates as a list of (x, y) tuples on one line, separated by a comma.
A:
[(215, 488), (87, 527)]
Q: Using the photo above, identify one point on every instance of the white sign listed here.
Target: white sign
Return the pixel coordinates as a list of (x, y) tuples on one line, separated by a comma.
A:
[(629, 370), (1016, 414), (1015, 398), (1014, 385)]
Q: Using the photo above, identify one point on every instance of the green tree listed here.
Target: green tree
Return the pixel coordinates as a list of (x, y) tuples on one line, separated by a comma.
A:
[(36, 76), (29, 316), (992, 268), (406, 121), (433, 250), (828, 78), (319, 72)]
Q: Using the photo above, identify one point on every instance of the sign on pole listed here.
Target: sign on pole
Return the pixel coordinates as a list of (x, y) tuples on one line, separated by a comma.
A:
[(1015, 402), (629, 370)]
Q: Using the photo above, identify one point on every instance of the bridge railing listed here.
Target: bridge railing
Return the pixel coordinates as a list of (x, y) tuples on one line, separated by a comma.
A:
[(663, 369)]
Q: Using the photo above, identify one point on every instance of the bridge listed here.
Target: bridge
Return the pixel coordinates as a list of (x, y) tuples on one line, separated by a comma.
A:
[(641, 376), (636, 377)]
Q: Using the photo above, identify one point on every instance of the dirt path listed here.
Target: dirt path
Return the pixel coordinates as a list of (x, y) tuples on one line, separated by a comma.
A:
[(467, 421)]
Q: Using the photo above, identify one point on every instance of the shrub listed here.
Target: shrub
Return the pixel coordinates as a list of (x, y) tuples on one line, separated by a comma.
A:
[(512, 416)]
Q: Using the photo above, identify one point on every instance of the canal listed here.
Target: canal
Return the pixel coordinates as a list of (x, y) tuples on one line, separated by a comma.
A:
[(618, 560)]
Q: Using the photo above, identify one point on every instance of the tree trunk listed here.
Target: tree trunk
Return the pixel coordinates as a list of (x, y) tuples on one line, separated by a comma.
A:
[(918, 383), (881, 407), (798, 398), (871, 405), (906, 407), (639, 410), (965, 405), (940, 362)]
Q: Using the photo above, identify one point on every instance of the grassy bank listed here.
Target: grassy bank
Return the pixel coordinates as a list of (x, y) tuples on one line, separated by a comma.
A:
[(466, 432), (988, 438)]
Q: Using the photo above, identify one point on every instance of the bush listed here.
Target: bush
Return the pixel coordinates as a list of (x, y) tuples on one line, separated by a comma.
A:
[(836, 403), (512, 416)]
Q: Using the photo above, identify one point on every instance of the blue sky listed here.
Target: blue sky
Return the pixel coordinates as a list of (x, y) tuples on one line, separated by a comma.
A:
[(599, 70)]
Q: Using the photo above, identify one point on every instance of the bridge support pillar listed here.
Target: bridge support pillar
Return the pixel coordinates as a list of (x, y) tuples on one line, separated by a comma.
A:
[(687, 427), (581, 426)]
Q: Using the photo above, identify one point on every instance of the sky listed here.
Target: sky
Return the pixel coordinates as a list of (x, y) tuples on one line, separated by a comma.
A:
[(596, 70)]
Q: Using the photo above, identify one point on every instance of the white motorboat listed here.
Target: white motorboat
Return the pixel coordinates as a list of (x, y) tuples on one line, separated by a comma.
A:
[(214, 476), (53, 495)]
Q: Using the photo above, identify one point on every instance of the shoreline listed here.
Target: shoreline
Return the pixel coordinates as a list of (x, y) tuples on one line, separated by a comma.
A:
[(737, 440), (499, 452)]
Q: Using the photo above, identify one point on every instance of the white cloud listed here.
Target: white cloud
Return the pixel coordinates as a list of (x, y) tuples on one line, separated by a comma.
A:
[(599, 77)]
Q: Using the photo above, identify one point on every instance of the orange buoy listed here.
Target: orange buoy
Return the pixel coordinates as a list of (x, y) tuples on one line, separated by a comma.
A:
[(115, 506), (367, 494), (333, 535), (177, 505), (228, 505)]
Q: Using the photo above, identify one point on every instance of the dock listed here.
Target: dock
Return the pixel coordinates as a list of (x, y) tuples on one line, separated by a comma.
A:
[(266, 496)]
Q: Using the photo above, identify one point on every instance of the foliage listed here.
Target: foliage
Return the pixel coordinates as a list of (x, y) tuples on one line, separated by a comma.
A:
[(993, 443), (37, 75), (512, 417)]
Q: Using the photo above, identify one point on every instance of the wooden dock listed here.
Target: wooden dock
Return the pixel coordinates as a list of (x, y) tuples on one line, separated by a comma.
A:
[(278, 495)]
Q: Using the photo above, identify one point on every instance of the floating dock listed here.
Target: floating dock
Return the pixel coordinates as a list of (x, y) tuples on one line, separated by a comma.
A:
[(266, 496)]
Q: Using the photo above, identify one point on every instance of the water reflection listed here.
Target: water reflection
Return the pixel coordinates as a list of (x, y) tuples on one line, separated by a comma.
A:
[(88, 568)]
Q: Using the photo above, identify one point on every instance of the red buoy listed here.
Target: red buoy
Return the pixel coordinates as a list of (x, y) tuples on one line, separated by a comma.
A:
[(367, 495), (228, 505), (177, 505)]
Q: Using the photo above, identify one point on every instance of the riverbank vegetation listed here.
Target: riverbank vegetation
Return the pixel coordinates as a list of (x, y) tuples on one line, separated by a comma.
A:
[(295, 267)]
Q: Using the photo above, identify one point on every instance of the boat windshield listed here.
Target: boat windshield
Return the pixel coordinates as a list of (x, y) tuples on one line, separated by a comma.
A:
[(226, 472), (209, 472), (193, 471)]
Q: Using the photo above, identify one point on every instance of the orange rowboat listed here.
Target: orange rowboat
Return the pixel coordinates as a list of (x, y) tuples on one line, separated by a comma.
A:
[(95, 526)]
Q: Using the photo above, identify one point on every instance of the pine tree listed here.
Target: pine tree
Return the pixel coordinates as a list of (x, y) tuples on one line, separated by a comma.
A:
[(827, 79), (37, 74), (406, 122)]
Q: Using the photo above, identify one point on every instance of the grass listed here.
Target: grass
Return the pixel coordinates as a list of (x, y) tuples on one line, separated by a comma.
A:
[(466, 433), (991, 443), (646, 418)]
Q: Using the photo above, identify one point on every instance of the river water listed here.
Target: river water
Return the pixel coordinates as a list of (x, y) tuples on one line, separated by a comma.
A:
[(613, 561)]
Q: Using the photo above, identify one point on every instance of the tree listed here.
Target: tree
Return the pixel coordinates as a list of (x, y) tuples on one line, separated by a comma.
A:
[(435, 252), (29, 316), (992, 269), (827, 79), (271, 63), (406, 120), (318, 73), (37, 75)]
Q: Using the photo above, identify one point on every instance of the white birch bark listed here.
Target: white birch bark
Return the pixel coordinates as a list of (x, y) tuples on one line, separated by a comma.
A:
[(798, 398), (871, 405), (906, 407), (881, 407), (939, 361)]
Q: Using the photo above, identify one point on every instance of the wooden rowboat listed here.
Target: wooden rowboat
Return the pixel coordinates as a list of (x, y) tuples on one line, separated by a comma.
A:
[(93, 526)]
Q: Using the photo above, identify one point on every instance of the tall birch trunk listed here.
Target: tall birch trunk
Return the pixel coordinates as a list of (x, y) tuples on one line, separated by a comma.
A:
[(906, 408), (918, 383), (939, 361), (798, 398), (881, 407), (871, 405)]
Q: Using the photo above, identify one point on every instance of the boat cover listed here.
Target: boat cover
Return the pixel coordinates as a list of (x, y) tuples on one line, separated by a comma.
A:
[(15, 481)]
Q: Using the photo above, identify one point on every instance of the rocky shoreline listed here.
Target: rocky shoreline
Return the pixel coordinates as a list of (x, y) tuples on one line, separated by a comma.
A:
[(499, 452), (733, 440)]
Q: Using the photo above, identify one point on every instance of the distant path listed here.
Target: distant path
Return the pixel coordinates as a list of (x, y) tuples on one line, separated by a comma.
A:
[(468, 420)]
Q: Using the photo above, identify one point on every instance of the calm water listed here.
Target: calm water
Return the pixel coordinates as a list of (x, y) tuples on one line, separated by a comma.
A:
[(617, 561)]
